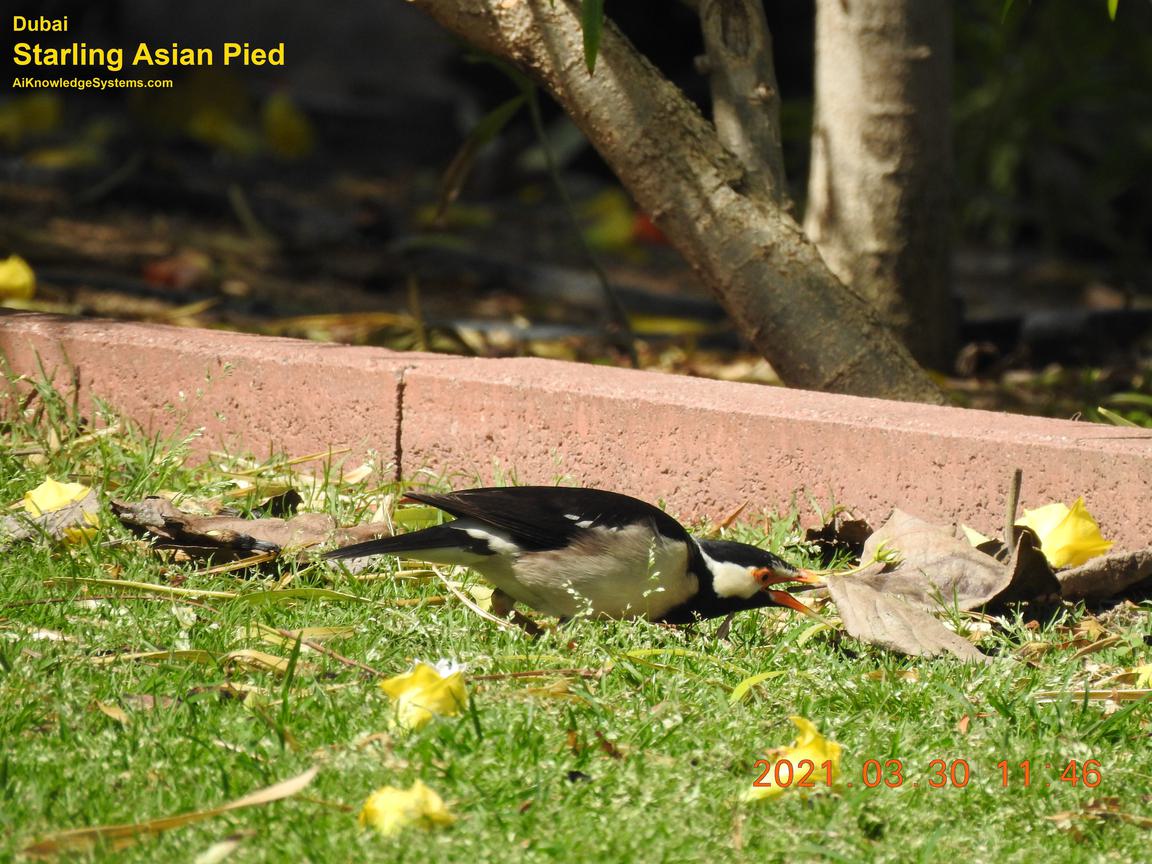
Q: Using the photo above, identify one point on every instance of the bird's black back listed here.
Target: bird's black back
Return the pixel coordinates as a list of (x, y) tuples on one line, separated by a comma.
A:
[(539, 518)]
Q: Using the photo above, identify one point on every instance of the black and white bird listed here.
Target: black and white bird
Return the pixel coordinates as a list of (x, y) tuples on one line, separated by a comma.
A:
[(569, 552)]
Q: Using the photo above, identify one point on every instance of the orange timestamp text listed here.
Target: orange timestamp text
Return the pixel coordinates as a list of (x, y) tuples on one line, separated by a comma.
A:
[(940, 773)]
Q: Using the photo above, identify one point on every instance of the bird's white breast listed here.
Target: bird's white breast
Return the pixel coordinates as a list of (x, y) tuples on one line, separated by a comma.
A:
[(611, 573)]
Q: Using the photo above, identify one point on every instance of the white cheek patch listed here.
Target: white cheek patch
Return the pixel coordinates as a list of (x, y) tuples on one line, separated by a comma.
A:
[(731, 580)]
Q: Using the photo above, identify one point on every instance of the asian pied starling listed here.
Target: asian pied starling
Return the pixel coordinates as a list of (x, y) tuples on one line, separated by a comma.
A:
[(569, 552)]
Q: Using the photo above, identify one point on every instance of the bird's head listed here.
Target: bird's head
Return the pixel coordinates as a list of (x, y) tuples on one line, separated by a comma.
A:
[(742, 572)]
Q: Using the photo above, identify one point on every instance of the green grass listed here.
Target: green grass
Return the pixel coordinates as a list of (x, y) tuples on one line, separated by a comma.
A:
[(524, 768)]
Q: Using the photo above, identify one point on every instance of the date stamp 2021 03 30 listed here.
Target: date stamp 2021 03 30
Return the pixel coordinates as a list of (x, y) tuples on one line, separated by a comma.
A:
[(937, 774)]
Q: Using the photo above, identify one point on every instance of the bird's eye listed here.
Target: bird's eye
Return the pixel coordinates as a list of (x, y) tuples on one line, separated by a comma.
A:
[(766, 576)]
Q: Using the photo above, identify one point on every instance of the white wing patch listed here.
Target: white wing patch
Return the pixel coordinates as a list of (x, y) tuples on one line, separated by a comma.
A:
[(497, 541)]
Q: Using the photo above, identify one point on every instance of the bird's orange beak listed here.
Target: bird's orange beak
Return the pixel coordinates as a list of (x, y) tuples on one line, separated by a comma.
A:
[(768, 577)]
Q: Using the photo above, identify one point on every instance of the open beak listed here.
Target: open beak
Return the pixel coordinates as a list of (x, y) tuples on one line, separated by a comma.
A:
[(768, 577)]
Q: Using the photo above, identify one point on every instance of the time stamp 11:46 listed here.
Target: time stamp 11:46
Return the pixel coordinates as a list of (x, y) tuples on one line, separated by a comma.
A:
[(937, 774)]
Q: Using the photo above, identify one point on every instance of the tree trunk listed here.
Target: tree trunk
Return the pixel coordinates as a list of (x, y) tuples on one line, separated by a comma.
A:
[(878, 190), (745, 98), (746, 248)]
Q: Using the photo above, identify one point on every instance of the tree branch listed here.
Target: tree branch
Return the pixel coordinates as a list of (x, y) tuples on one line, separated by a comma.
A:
[(745, 96), (817, 334)]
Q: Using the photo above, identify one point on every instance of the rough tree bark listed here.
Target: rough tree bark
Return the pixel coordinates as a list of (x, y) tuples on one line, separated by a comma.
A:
[(816, 333), (878, 189), (745, 98)]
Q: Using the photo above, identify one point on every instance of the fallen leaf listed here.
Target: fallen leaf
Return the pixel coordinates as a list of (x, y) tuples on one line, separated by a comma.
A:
[(1113, 695), (124, 835), (223, 849), (1106, 576), (1100, 809), (1069, 537), (745, 687), (840, 534), (810, 745), (63, 511), (234, 537), (115, 712), (389, 810), (887, 620), (261, 661), (934, 568), (425, 691), (609, 748)]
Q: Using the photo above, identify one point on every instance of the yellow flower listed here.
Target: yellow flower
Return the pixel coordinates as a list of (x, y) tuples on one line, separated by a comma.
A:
[(17, 281), (809, 745), (1068, 538), (52, 495), (425, 691), (1143, 675), (389, 810)]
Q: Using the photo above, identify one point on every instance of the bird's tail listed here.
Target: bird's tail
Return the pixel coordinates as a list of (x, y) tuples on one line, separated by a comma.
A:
[(441, 544)]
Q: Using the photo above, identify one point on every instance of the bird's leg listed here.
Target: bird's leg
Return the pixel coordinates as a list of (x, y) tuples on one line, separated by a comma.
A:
[(504, 606), (725, 627)]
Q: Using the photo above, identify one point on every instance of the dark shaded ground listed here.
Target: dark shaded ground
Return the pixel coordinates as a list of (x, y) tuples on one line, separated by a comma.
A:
[(305, 204)]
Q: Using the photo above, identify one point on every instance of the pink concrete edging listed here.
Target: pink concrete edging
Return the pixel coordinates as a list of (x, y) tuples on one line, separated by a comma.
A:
[(703, 447)]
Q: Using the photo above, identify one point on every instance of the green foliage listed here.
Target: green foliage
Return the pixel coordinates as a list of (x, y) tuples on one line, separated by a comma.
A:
[(1054, 129), (592, 23), (603, 741)]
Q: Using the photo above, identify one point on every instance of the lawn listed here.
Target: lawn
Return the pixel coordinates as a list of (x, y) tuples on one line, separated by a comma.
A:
[(602, 741)]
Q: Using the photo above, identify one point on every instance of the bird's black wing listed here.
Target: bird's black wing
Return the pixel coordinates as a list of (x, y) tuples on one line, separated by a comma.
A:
[(549, 517)]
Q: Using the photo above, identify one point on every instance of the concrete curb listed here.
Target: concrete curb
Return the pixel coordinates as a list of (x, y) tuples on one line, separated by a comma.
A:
[(703, 447)]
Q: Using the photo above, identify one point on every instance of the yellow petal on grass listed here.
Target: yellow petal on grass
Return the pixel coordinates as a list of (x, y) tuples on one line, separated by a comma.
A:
[(809, 745), (426, 691), (1143, 676), (1068, 537), (52, 495), (17, 281), (389, 809)]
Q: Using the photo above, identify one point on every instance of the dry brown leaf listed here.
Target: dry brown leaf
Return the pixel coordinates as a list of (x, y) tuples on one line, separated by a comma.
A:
[(124, 835), (223, 849), (261, 661), (234, 537), (1113, 695), (191, 655), (886, 620), (146, 701), (1107, 575), (1101, 809), (115, 712), (934, 568), (841, 533)]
